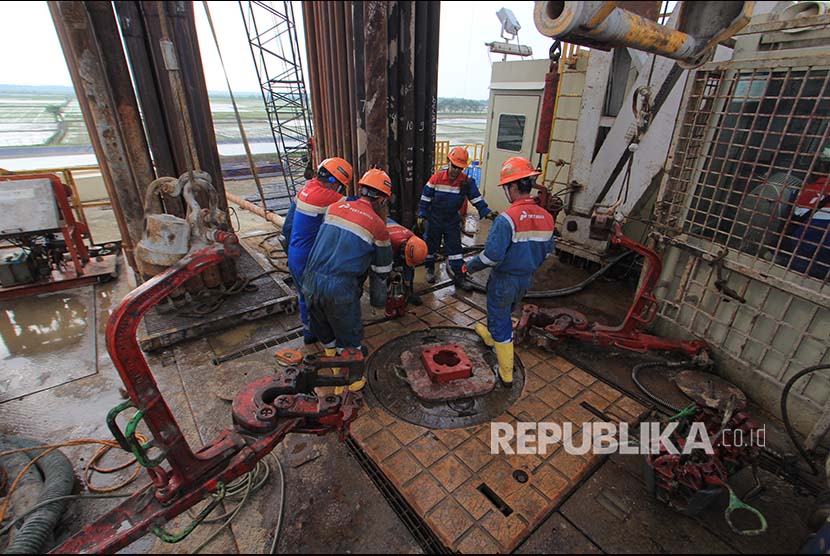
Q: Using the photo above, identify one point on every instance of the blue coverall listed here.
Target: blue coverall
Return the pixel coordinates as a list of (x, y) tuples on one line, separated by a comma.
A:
[(441, 199), (519, 241), (303, 223), (352, 242)]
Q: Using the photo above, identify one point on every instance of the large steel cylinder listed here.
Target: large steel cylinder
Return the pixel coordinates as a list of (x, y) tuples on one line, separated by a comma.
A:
[(583, 23)]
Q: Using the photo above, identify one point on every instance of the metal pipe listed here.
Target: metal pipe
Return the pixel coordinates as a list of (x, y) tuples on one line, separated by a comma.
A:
[(581, 23), (359, 118), (90, 63), (271, 217), (376, 79)]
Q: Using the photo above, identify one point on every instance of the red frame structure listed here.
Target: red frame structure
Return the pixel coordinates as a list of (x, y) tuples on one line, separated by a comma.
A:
[(263, 413), (550, 326), (83, 270)]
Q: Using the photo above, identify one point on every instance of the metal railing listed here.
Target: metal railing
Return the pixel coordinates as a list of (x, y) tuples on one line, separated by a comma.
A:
[(442, 149)]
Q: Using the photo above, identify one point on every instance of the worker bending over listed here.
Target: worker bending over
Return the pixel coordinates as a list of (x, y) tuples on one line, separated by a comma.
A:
[(441, 200), (408, 251), (352, 242), (305, 218), (519, 241)]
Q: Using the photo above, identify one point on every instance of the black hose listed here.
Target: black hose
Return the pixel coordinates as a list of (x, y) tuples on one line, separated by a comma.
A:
[(635, 372), (562, 292), (59, 478), (786, 417)]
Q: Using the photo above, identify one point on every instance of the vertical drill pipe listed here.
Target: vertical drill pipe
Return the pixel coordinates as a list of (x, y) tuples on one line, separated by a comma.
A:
[(352, 104), (334, 91), (183, 34), (432, 90), (358, 29), (311, 30), (89, 62), (341, 91), (421, 107), (139, 54), (375, 75), (406, 112)]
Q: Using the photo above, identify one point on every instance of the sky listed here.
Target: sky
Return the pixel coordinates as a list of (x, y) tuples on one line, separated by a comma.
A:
[(463, 68)]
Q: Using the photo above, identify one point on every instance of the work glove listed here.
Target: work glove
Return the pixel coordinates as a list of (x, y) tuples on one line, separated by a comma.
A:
[(492, 215), (420, 225)]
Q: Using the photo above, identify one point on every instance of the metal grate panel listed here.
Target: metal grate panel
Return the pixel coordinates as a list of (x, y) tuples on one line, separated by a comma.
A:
[(748, 173)]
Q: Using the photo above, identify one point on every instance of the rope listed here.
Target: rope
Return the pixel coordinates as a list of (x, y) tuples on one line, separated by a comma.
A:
[(242, 133)]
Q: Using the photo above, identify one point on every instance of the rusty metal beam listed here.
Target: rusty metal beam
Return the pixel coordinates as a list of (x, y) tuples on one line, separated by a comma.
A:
[(376, 78), (88, 35)]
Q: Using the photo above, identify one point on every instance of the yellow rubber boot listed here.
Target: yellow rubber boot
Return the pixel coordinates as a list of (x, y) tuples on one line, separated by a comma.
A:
[(358, 385), (482, 331), (504, 353), (331, 352)]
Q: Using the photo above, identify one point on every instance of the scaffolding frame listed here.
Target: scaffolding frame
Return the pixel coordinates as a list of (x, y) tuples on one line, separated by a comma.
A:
[(272, 37)]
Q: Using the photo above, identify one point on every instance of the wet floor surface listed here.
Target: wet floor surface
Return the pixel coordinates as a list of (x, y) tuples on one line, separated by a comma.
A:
[(53, 347)]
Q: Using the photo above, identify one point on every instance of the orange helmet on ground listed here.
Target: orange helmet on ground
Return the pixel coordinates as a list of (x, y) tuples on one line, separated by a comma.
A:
[(459, 157), (339, 168), (377, 180), (516, 168), (415, 251)]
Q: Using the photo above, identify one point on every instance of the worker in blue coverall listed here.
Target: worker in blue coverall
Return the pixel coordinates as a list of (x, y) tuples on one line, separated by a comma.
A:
[(438, 213), (305, 218), (352, 242), (519, 241)]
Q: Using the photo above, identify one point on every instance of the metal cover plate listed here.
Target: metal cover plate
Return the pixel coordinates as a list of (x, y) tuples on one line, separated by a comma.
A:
[(398, 398)]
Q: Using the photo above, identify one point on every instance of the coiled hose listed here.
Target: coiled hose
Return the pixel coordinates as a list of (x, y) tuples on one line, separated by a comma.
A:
[(59, 478)]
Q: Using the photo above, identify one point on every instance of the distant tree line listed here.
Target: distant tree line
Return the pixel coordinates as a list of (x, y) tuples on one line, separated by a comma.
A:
[(453, 104)]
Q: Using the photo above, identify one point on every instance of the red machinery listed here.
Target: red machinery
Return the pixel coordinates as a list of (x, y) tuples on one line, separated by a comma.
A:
[(50, 274), (263, 413), (550, 326)]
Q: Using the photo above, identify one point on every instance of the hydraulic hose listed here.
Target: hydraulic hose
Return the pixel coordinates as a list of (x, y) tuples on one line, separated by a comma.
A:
[(786, 417), (562, 292), (635, 376), (59, 478)]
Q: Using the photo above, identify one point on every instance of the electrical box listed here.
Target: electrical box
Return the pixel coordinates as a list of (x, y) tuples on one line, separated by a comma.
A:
[(28, 206), (16, 268)]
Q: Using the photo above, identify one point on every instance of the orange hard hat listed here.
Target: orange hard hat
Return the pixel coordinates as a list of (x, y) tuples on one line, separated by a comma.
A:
[(377, 180), (459, 157), (339, 168), (516, 168), (415, 251)]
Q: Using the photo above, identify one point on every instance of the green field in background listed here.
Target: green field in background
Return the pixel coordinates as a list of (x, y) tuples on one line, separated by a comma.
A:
[(51, 116)]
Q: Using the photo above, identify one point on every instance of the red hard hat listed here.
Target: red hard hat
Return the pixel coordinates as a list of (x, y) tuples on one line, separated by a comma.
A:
[(459, 157), (339, 168), (377, 180), (516, 168)]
